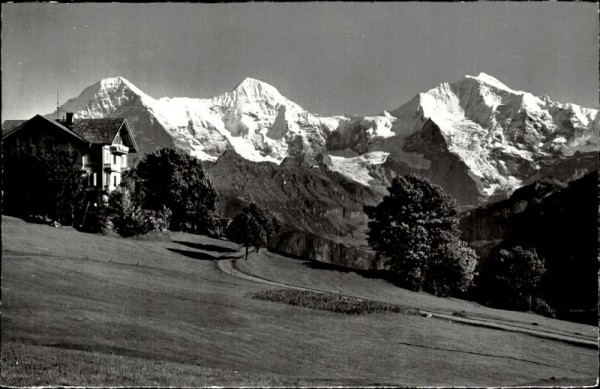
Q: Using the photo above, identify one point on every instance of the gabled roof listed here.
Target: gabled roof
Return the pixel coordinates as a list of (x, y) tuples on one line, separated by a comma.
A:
[(133, 147), (97, 131), (12, 126), (102, 130)]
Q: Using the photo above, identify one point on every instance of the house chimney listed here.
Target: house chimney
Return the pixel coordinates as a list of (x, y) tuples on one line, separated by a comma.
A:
[(69, 119)]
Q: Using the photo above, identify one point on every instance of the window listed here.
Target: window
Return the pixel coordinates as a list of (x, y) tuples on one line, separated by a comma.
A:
[(114, 159), (95, 179), (114, 180)]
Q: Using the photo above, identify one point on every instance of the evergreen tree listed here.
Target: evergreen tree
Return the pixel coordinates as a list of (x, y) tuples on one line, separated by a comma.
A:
[(415, 228)]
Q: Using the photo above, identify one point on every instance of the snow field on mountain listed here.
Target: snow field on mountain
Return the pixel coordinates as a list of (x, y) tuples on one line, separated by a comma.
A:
[(493, 129), (356, 168)]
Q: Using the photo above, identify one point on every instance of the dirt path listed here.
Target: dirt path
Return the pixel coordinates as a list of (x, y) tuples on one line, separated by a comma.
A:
[(228, 266)]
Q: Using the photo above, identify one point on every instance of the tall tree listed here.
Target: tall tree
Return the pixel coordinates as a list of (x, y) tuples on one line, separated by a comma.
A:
[(415, 228), (173, 179)]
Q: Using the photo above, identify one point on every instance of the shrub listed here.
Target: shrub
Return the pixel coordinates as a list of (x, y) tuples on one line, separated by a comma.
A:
[(125, 217), (160, 220), (541, 307), (329, 302), (95, 218)]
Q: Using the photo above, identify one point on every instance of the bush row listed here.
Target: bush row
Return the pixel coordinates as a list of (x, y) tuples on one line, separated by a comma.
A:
[(329, 302)]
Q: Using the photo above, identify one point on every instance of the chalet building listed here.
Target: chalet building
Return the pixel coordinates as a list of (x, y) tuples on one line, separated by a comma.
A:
[(102, 146)]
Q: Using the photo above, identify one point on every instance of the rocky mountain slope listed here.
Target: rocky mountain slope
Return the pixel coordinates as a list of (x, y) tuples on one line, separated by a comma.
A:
[(321, 210), (559, 220)]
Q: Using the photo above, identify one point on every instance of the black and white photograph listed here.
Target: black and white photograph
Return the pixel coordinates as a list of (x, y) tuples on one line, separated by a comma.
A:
[(316, 194)]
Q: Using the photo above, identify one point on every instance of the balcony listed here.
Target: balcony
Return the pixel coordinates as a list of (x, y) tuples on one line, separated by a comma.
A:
[(117, 148), (110, 167)]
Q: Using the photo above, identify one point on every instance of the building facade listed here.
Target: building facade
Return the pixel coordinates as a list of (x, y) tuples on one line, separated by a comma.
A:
[(102, 146)]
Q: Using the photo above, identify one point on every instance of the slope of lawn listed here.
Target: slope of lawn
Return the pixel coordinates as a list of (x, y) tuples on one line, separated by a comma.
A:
[(290, 271), (83, 309)]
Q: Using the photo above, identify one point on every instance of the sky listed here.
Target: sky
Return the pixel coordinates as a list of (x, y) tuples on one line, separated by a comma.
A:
[(330, 58)]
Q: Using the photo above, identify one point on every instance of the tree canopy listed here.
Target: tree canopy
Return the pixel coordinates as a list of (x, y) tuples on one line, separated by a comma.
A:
[(415, 228), (512, 277), (252, 227), (41, 179), (173, 179)]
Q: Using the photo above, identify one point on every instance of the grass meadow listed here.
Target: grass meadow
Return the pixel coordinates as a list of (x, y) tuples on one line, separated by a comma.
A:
[(83, 309)]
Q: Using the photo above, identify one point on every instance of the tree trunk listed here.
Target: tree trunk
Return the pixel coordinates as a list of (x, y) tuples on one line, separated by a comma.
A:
[(246, 253)]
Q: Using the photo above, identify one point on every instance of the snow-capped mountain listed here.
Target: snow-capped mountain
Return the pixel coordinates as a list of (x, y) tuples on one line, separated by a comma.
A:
[(476, 137), (254, 119), (500, 134)]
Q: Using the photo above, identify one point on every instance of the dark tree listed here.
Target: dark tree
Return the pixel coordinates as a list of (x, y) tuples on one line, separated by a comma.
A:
[(512, 278), (41, 179), (415, 228), (252, 227), (171, 178)]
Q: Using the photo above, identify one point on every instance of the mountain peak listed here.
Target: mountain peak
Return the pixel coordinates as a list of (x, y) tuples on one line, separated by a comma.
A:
[(114, 83), (489, 80), (249, 81), (253, 87)]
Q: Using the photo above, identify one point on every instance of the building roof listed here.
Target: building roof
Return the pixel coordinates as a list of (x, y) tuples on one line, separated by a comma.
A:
[(9, 126), (13, 126), (97, 131)]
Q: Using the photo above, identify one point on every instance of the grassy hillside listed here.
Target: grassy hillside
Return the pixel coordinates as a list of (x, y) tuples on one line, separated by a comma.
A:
[(318, 276), (82, 309)]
